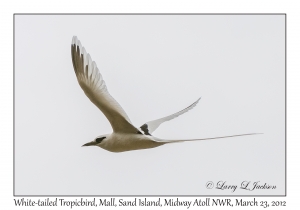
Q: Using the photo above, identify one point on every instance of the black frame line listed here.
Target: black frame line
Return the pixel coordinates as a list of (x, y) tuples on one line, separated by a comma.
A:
[(14, 194)]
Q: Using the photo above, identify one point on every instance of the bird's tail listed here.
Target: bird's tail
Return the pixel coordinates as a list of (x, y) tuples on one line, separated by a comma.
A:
[(182, 140)]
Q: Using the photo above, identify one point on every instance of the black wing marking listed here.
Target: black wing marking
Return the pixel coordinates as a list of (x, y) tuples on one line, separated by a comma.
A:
[(145, 129)]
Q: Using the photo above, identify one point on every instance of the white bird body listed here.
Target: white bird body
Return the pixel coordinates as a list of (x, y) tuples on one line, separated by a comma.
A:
[(121, 142), (125, 136)]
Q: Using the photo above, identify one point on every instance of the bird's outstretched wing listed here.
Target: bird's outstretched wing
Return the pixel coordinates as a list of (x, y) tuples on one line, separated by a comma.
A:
[(151, 126), (93, 85)]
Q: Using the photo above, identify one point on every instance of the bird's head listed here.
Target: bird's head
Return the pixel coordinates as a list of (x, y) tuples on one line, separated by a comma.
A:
[(97, 141)]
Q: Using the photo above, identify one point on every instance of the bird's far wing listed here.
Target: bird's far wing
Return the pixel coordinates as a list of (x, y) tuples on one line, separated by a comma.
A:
[(151, 126), (93, 85)]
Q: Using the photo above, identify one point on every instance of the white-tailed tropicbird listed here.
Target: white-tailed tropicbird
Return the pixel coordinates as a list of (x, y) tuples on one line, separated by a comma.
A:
[(125, 136)]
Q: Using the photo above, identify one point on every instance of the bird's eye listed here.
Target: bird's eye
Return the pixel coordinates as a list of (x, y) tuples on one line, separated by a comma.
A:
[(98, 140)]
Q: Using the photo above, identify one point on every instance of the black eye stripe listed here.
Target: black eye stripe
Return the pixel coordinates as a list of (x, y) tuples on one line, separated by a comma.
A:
[(98, 140)]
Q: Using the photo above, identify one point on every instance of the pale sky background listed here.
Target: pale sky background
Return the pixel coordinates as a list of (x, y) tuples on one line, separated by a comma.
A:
[(153, 65)]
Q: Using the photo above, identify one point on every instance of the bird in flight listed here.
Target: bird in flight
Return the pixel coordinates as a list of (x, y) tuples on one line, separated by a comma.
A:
[(125, 136)]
